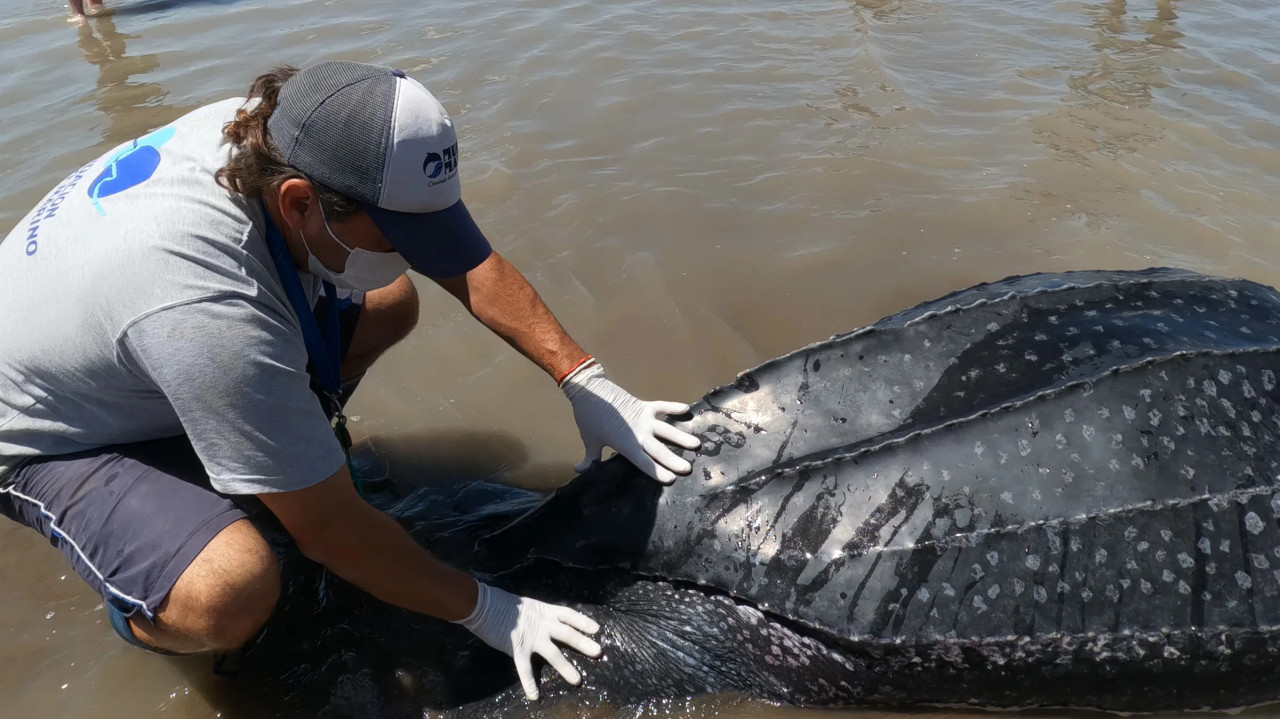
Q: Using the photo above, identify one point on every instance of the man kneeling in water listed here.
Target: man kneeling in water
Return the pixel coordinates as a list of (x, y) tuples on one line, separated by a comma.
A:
[(172, 311)]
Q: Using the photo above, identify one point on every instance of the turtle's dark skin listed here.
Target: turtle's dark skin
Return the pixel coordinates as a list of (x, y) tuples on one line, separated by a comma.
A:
[(1052, 490)]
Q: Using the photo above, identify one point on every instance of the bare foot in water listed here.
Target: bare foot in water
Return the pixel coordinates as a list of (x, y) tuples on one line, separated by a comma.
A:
[(95, 8)]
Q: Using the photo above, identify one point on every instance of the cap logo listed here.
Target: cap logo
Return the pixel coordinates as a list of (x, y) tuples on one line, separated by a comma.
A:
[(435, 165)]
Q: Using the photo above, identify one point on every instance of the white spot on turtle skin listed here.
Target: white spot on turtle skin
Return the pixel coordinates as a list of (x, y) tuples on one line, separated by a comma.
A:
[(948, 590), (1253, 523), (1224, 376), (1129, 412), (922, 594), (1161, 555), (1227, 407), (1032, 561), (1024, 447), (1211, 568), (1205, 546), (1244, 580), (1187, 472), (1125, 583), (1031, 356), (1018, 587), (1004, 457), (1006, 497), (1059, 441), (1185, 560), (946, 476), (962, 517), (992, 326), (978, 604), (993, 558), (1086, 595), (1247, 390), (1087, 431), (1167, 576), (1143, 546), (994, 591), (1209, 388), (1146, 395), (1104, 413), (1268, 380), (1068, 415), (1145, 586), (977, 571), (1075, 543), (1136, 461), (1129, 533), (1166, 535), (1067, 476), (1154, 417), (1260, 561), (978, 449), (1099, 556), (1063, 587), (1039, 594), (1112, 593)]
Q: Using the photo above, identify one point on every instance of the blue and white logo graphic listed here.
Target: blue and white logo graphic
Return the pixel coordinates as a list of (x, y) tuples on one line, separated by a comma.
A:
[(435, 164), (131, 166)]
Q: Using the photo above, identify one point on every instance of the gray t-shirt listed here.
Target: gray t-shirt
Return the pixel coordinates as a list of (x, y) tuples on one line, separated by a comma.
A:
[(138, 300)]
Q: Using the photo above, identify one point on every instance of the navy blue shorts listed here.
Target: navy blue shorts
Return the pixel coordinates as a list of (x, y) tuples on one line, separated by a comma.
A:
[(130, 518)]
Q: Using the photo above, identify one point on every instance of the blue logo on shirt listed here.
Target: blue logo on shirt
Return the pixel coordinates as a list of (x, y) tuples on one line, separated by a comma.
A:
[(131, 166)]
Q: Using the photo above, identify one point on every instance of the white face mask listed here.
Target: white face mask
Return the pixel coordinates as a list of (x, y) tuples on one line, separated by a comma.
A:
[(365, 270)]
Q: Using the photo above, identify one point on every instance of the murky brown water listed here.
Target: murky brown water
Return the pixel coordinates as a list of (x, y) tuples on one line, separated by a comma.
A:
[(694, 188)]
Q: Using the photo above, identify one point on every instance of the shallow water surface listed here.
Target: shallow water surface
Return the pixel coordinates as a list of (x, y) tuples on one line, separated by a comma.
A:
[(693, 187)]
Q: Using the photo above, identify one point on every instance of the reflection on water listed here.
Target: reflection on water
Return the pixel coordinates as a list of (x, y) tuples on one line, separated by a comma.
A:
[(1129, 60), (132, 107)]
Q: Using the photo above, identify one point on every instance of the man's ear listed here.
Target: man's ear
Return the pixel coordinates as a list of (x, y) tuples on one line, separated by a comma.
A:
[(297, 200)]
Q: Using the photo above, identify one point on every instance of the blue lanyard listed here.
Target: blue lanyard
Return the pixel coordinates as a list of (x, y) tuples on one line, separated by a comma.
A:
[(325, 352)]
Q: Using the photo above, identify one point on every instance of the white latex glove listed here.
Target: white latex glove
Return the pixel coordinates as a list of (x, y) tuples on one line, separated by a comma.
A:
[(521, 627), (608, 416)]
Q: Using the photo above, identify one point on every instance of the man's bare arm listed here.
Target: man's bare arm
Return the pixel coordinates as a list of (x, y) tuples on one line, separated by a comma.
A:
[(503, 300), (332, 525)]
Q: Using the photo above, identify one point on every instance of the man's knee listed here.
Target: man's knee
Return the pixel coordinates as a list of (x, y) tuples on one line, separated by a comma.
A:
[(228, 592), (400, 309), (389, 315)]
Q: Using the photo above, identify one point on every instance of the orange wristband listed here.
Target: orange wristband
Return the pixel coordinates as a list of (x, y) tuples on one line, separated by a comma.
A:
[(573, 369)]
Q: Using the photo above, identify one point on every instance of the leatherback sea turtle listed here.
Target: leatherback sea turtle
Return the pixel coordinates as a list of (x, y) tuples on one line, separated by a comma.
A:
[(1048, 490)]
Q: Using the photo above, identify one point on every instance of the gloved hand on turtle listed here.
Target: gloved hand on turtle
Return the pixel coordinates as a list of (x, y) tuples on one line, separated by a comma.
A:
[(522, 627), (609, 416)]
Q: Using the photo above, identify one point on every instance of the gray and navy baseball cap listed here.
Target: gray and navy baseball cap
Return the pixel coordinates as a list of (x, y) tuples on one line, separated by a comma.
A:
[(381, 138)]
